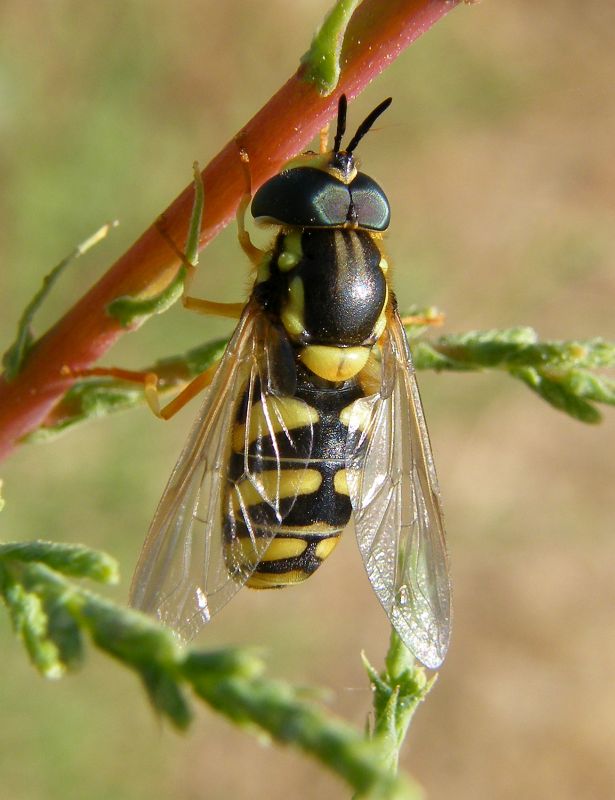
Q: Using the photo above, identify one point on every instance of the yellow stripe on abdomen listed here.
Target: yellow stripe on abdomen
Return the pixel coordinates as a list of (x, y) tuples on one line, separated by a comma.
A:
[(292, 559), (271, 485), (282, 548), (282, 414)]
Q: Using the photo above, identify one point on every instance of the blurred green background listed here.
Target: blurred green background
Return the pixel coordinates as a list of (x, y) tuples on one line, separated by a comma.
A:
[(497, 156)]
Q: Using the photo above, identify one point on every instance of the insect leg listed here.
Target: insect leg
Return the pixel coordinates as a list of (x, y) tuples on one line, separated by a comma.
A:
[(189, 259), (148, 379), (106, 372), (150, 385), (201, 306), (254, 253), (323, 139), (231, 310), (150, 389), (423, 319)]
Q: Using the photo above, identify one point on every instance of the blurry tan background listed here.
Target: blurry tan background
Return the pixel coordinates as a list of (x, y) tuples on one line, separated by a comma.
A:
[(497, 156)]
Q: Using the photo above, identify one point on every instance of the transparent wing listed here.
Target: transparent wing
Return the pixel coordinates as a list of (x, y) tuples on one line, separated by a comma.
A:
[(192, 561), (395, 498)]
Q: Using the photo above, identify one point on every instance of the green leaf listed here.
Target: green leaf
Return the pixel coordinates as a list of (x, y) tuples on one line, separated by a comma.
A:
[(64, 632), (486, 348), (582, 383), (196, 217), (14, 358), (128, 635), (322, 61), (70, 559), (30, 624), (133, 311), (165, 695), (557, 394), (214, 665)]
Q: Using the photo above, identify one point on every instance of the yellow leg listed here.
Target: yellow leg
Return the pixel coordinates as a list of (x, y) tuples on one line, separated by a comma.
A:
[(433, 319), (150, 385), (230, 310), (106, 372), (200, 306), (195, 386), (324, 139), (254, 253)]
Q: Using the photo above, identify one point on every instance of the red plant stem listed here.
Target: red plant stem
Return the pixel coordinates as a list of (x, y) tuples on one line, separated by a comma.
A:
[(378, 32)]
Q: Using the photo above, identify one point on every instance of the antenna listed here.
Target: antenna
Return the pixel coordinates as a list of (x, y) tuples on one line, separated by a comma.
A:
[(341, 123), (366, 124)]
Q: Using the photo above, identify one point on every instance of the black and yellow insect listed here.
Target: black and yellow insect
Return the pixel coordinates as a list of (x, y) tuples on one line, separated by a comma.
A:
[(313, 417)]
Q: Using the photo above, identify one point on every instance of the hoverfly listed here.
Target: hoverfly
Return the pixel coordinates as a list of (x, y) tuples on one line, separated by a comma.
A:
[(313, 416)]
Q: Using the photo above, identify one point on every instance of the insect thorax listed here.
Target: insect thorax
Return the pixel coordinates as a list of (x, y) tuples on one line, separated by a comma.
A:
[(327, 288)]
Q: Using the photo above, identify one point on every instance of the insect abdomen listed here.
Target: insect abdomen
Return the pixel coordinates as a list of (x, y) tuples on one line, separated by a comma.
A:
[(314, 505)]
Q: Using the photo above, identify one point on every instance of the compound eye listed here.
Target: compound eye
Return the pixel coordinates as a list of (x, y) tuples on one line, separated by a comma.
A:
[(302, 196), (370, 203)]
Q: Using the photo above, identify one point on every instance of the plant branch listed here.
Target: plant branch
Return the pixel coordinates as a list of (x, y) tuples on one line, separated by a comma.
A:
[(398, 691), (53, 615), (376, 34), (565, 374)]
